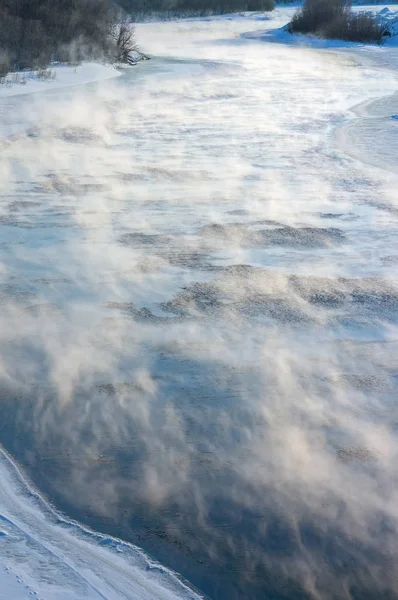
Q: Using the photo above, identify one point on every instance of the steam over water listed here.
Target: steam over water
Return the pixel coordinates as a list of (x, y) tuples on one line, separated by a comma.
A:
[(199, 312)]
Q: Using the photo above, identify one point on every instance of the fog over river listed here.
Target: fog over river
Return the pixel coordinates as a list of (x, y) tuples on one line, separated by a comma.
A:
[(199, 311)]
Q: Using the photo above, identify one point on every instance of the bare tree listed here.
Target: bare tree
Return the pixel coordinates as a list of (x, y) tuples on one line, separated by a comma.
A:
[(124, 38)]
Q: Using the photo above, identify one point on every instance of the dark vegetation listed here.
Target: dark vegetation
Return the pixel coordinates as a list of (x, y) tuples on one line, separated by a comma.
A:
[(35, 32), (174, 8), (334, 19)]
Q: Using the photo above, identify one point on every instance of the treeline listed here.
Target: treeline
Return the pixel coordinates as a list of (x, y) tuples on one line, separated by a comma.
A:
[(139, 8), (34, 32)]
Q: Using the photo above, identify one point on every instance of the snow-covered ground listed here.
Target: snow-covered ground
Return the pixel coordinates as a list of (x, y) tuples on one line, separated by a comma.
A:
[(16, 84), (199, 258)]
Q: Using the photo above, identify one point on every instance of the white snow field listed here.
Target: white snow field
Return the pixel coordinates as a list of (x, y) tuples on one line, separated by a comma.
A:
[(202, 251)]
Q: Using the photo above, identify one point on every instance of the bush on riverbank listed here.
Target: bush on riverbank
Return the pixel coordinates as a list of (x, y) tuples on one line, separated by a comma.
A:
[(333, 19)]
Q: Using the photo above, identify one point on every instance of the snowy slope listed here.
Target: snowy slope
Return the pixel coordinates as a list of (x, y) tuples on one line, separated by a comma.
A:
[(45, 556)]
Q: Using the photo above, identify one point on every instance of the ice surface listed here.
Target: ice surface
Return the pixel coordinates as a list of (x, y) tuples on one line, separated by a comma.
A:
[(212, 233)]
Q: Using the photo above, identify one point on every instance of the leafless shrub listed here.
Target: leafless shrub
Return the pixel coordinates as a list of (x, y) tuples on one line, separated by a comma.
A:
[(18, 79), (45, 74), (4, 67), (316, 14), (361, 27)]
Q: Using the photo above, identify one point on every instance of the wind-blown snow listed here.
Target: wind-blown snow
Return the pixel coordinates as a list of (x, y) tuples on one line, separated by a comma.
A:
[(199, 318)]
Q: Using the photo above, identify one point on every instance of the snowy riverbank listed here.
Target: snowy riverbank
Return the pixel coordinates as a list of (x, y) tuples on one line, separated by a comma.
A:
[(387, 15), (46, 557)]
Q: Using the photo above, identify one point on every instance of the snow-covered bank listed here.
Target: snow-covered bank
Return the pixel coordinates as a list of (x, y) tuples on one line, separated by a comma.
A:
[(369, 139), (388, 16), (64, 76), (45, 556)]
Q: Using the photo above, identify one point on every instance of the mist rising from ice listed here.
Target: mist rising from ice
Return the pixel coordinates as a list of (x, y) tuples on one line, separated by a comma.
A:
[(199, 312)]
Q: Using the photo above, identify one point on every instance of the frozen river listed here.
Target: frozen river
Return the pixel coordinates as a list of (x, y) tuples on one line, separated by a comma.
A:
[(199, 321)]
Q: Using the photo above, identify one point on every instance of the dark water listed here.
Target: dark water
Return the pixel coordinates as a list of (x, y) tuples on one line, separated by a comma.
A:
[(198, 333)]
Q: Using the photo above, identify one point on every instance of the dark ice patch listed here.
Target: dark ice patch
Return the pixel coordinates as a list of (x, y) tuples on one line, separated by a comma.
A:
[(46, 309), (195, 298), (73, 135), (10, 293), (67, 186), (51, 280), (392, 259), (114, 389), (217, 299), (353, 454), (78, 135), (367, 383), (168, 249), (327, 299), (331, 215), (144, 313), (239, 212), (139, 314), (340, 216), (363, 296), (301, 237), (137, 239), (272, 307), (23, 205), (378, 299)]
